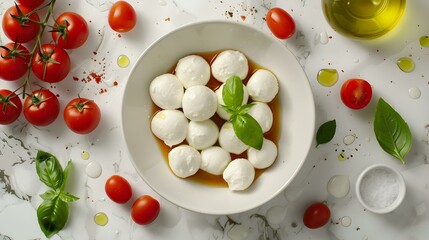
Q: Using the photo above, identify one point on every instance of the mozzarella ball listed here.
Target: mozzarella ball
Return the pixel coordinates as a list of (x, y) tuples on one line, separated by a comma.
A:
[(202, 134), (265, 157), (262, 113), (193, 70), (184, 161), (239, 174), (230, 63), (229, 141), (171, 126), (220, 111), (263, 86), (214, 160), (166, 91), (199, 103)]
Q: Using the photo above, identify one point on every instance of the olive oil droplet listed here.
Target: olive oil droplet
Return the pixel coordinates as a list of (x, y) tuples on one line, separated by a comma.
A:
[(84, 155), (406, 64), (101, 219), (424, 41), (327, 77), (123, 61)]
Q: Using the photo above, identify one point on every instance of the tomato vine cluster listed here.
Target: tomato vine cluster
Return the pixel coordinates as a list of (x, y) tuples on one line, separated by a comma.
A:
[(49, 62)]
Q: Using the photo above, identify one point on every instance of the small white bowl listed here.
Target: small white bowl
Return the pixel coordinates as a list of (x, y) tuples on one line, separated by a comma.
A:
[(380, 188)]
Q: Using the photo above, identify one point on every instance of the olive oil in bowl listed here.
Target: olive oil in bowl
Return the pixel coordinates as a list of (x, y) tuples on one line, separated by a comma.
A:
[(364, 19)]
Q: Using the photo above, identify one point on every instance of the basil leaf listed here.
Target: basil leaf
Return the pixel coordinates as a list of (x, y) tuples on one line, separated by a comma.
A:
[(228, 109), (245, 108), (391, 131), (49, 195), (66, 174), (233, 92), (49, 170), (247, 130), (52, 215), (326, 132), (67, 197)]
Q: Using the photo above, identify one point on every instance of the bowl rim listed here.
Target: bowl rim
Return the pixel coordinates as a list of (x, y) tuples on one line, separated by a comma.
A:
[(401, 193), (306, 147)]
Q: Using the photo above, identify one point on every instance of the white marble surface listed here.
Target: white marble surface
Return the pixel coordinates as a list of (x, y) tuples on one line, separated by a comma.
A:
[(315, 45)]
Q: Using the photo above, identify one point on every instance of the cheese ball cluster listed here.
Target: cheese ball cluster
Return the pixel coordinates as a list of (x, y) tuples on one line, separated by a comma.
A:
[(188, 104)]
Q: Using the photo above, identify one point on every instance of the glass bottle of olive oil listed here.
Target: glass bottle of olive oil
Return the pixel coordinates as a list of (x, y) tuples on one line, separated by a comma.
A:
[(364, 19)]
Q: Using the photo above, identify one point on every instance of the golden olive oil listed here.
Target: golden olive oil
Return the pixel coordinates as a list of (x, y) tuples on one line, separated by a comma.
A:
[(424, 41), (327, 77), (101, 219), (364, 19), (123, 61), (406, 64)]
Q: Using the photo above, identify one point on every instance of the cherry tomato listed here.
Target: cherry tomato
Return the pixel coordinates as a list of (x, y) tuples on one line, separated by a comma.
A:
[(122, 17), (51, 64), (70, 30), (10, 106), (280, 23), (31, 3), (145, 210), (14, 60), (41, 108), (20, 30), (118, 189), (316, 215), (82, 115), (356, 93)]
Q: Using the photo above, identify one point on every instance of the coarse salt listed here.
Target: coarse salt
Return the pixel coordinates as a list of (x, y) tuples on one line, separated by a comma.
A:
[(379, 188)]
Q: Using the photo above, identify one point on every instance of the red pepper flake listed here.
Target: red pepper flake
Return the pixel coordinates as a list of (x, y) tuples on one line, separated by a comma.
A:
[(119, 35), (115, 83), (330, 37), (103, 90), (95, 53), (243, 17), (75, 78), (167, 19), (97, 77)]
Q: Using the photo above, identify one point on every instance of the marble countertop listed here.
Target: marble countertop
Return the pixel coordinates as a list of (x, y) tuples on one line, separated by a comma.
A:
[(315, 45)]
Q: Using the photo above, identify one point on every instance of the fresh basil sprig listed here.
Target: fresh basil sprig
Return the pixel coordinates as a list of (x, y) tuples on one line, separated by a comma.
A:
[(391, 131), (53, 212), (326, 132), (245, 126)]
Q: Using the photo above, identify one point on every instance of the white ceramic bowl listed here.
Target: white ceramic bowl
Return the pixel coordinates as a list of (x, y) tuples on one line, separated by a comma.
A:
[(297, 115), (376, 187)]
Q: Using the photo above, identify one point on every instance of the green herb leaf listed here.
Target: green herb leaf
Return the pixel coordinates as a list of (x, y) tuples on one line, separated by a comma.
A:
[(326, 132), (52, 215), (67, 197), (49, 195), (247, 130), (228, 109), (391, 131), (67, 170), (49, 170), (245, 108), (233, 92)]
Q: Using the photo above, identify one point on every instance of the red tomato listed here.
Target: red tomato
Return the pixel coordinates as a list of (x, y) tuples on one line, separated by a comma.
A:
[(41, 108), (13, 61), (82, 115), (122, 17), (118, 189), (70, 30), (51, 64), (31, 3), (20, 30), (356, 93), (316, 215), (145, 210), (10, 106), (280, 23)]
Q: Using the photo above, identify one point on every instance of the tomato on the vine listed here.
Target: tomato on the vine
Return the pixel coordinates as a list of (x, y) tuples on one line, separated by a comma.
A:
[(41, 108), (31, 3), (82, 115), (118, 189), (145, 210), (316, 215), (14, 60), (70, 30), (356, 93), (51, 63), (280, 23), (10, 106), (18, 26), (122, 17)]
